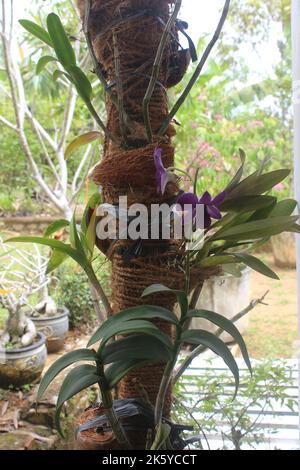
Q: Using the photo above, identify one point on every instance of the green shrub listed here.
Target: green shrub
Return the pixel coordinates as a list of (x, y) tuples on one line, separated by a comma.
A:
[(74, 293), (6, 204)]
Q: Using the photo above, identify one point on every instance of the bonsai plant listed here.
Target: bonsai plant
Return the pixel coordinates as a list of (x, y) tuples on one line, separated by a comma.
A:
[(138, 163), (22, 348), (36, 308), (49, 319)]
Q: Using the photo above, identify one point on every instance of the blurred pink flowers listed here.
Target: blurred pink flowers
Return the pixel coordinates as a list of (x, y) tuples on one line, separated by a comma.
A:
[(256, 123), (279, 187)]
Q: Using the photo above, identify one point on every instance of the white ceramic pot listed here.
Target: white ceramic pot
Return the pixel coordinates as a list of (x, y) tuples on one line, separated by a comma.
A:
[(226, 295), (54, 328), (24, 365)]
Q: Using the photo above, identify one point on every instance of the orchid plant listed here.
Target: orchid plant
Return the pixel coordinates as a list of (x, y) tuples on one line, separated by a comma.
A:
[(238, 219)]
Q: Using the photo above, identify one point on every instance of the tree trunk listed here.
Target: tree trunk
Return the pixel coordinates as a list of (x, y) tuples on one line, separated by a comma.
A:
[(125, 36)]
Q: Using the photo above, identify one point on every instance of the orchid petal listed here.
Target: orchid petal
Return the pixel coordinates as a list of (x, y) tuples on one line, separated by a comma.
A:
[(206, 198), (187, 198), (214, 212), (207, 220), (219, 199)]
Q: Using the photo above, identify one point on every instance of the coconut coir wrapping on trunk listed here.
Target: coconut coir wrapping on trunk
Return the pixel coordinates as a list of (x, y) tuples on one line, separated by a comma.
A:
[(132, 29)]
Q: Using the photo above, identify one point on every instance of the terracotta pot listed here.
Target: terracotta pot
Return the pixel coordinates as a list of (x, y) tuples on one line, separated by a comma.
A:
[(22, 366), (97, 439), (284, 250), (94, 439), (54, 328)]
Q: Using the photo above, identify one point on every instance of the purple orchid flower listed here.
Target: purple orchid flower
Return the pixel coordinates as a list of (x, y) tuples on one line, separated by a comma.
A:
[(186, 207), (163, 177), (211, 210)]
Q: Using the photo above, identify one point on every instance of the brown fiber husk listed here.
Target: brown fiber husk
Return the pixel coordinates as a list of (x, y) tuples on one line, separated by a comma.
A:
[(119, 31)]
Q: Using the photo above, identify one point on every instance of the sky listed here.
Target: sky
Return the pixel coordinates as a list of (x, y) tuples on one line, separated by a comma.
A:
[(202, 17)]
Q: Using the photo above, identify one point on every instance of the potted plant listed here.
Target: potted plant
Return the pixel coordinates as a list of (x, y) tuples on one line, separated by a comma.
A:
[(27, 272), (22, 348), (284, 250), (49, 319)]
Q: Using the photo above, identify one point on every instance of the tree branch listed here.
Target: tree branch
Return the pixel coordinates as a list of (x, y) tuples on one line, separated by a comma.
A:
[(201, 349), (79, 168), (8, 124)]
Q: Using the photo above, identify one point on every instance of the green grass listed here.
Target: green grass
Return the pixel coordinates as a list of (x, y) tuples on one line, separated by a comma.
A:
[(3, 316)]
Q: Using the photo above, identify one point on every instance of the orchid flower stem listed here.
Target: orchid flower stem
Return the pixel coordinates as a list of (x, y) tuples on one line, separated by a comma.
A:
[(86, 25), (165, 382), (173, 168), (166, 379), (100, 122), (187, 273), (156, 68), (120, 101), (196, 180), (107, 402), (197, 72)]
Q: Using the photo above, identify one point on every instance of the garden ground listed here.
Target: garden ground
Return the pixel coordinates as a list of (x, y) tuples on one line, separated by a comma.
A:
[(272, 331)]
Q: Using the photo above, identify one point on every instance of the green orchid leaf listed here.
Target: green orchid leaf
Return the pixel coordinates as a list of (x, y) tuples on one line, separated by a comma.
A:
[(218, 260), (225, 325), (56, 259), (284, 208), (160, 288), (93, 203), (43, 62), (125, 327), (161, 437), (37, 31), (78, 379), (256, 264), (62, 46), (295, 228), (234, 270), (256, 229), (56, 245), (257, 184), (74, 237), (137, 347), (247, 203), (55, 227), (216, 345), (141, 312), (80, 141), (90, 235), (81, 82), (61, 364), (237, 177), (263, 213), (60, 73), (115, 372)]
